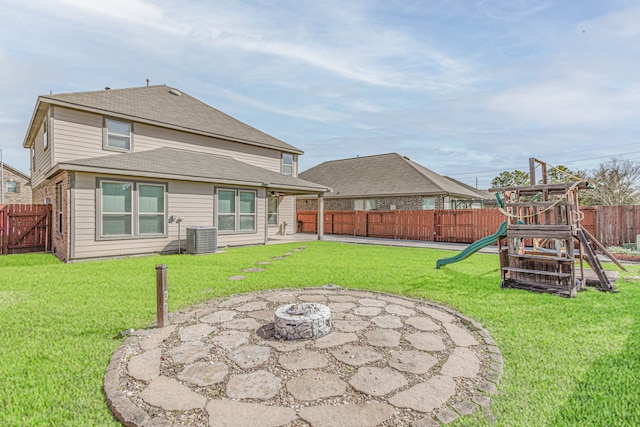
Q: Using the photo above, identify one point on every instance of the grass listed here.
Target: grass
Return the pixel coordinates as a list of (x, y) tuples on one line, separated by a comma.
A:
[(573, 362)]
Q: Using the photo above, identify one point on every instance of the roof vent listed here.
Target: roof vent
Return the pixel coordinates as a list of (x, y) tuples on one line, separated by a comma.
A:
[(406, 157), (175, 92), (107, 88)]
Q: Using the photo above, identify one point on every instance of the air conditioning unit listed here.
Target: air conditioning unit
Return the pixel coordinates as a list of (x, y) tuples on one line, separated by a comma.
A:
[(202, 239)]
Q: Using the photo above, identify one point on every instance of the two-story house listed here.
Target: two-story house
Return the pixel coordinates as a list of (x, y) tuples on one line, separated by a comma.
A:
[(119, 165), (16, 186)]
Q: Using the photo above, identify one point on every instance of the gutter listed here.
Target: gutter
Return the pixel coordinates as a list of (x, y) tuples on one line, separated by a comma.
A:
[(99, 170)]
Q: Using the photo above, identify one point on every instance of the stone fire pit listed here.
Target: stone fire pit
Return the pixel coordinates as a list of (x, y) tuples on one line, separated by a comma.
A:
[(388, 361), (302, 320)]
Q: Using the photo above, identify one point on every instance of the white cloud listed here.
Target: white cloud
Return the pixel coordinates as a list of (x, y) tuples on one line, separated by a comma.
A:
[(561, 103), (510, 10), (351, 47), (138, 12)]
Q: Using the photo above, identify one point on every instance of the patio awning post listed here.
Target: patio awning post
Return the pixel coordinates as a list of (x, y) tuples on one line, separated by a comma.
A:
[(320, 216)]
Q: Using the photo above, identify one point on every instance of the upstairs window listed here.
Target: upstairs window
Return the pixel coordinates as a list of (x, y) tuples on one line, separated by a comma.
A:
[(45, 134), (117, 135), (287, 164)]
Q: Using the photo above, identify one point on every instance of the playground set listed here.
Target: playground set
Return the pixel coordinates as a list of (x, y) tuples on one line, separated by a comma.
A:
[(544, 238)]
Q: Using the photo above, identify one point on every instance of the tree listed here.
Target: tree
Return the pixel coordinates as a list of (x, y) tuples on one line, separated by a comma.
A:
[(510, 179), (617, 182), (561, 173), (517, 178)]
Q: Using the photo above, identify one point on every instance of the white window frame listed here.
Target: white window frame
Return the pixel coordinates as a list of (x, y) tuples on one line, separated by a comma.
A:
[(271, 214), (106, 134), (433, 201), (287, 169), (241, 214), (152, 214), (364, 204), (232, 214), (135, 210), (237, 214)]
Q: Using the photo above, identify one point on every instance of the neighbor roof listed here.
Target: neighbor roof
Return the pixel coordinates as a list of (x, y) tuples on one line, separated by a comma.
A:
[(385, 175), (164, 106), (170, 163), (16, 171)]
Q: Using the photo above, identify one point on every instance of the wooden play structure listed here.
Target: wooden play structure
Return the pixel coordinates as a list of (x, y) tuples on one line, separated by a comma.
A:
[(544, 238)]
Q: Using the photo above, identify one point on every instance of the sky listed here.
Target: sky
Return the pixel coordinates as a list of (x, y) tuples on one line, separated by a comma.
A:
[(467, 88)]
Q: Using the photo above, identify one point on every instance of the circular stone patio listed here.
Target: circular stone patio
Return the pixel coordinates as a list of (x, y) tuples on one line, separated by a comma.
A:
[(389, 361)]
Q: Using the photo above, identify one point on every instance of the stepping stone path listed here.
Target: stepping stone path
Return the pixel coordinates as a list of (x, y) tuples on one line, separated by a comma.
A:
[(260, 269), (388, 361)]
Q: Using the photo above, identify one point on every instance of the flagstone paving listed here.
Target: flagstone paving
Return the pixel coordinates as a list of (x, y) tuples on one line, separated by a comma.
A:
[(389, 361)]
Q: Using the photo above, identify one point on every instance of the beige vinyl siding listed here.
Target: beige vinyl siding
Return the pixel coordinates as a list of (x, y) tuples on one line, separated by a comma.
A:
[(79, 136), (43, 161), (194, 202), (149, 137), (286, 213), (295, 165)]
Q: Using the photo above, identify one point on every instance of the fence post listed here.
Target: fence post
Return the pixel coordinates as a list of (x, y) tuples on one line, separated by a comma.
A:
[(162, 295)]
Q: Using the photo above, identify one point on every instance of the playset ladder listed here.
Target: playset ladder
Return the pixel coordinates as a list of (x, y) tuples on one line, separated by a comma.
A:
[(593, 261)]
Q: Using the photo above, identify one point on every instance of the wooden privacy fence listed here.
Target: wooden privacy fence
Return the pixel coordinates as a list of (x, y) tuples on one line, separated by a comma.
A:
[(465, 225), (25, 228), (611, 225)]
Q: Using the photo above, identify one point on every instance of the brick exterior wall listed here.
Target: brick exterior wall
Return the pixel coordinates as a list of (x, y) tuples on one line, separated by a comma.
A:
[(47, 190), (23, 196), (307, 204), (338, 204)]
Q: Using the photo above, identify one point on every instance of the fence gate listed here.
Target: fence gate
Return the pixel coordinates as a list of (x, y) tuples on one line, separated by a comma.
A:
[(25, 228)]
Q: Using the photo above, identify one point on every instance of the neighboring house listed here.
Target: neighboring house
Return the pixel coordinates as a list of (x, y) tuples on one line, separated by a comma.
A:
[(388, 182), (118, 165), (16, 186)]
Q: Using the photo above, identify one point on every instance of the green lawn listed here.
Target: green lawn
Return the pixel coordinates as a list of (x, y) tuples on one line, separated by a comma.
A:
[(573, 362)]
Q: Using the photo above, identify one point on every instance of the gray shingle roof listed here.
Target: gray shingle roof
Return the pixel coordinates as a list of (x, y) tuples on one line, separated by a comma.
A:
[(170, 163), (15, 171), (161, 106), (384, 175)]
